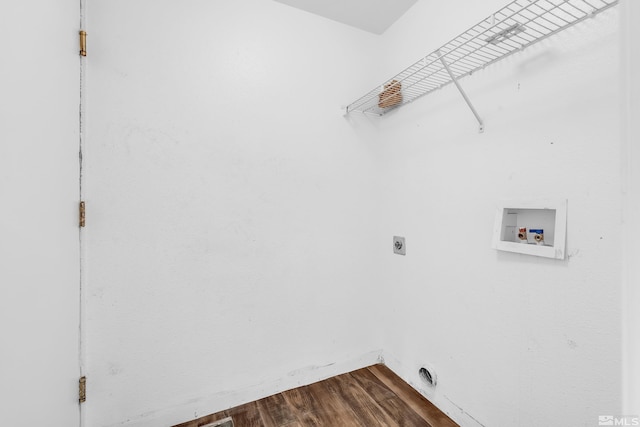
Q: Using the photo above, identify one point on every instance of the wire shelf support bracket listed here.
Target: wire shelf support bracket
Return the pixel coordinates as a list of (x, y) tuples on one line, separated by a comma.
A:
[(462, 92), (511, 29)]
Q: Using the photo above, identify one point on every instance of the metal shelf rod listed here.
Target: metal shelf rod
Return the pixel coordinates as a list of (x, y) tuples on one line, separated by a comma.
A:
[(463, 93)]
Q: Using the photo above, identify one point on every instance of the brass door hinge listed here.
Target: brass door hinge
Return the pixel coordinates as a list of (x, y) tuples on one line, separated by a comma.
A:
[(83, 43), (82, 389), (83, 214)]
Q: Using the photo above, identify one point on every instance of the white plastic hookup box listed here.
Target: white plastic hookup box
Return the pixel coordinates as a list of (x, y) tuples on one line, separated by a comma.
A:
[(548, 215)]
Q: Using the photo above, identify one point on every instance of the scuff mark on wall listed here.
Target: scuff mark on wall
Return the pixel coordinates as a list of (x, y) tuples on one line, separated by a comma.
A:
[(463, 412), (310, 368)]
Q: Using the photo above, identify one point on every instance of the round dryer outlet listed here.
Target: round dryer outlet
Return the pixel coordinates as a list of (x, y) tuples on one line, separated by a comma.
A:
[(428, 375)]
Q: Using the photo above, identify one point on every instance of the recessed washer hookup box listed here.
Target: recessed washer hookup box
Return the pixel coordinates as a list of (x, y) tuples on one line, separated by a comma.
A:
[(531, 227)]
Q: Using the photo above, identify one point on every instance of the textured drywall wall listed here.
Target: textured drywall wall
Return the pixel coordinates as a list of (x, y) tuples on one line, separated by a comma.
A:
[(39, 249), (514, 339), (230, 207)]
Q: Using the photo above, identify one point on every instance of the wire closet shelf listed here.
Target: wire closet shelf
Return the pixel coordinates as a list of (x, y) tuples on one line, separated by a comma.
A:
[(511, 29)]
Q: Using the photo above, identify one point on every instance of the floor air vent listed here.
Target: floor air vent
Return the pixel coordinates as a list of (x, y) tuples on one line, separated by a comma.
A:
[(227, 422)]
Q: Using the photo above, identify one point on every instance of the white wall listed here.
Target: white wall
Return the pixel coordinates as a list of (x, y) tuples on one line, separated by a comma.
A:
[(514, 339), (39, 250), (240, 229), (630, 12), (230, 207)]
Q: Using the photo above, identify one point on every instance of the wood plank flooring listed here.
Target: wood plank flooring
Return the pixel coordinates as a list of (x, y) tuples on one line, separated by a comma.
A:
[(368, 397)]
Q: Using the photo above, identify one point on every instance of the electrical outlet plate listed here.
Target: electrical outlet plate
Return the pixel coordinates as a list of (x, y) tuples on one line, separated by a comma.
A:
[(399, 246)]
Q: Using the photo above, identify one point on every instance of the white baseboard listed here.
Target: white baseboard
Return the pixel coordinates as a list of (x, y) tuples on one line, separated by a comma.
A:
[(220, 401)]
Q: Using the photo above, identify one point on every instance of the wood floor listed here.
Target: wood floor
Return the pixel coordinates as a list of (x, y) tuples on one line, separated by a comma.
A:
[(368, 397)]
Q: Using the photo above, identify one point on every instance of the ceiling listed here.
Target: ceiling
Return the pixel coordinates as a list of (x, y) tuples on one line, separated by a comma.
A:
[(374, 16)]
